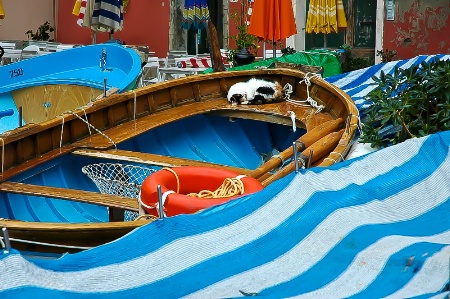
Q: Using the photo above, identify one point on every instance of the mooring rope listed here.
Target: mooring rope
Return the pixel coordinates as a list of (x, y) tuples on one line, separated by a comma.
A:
[(309, 100), (89, 125), (3, 153)]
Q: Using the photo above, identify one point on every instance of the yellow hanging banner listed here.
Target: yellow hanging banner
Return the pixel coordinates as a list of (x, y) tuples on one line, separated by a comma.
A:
[(76, 8), (2, 11)]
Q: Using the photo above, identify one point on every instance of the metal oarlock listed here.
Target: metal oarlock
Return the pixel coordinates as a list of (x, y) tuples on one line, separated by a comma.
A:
[(294, 144), (20, 116), (310, 158), (104, 87), (6, 240), (160, 203)]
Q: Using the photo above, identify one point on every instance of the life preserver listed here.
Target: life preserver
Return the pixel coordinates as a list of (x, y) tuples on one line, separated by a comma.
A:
[(192, 179)]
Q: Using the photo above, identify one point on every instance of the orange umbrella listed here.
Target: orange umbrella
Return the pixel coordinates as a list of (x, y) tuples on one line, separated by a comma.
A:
[(272, 20)]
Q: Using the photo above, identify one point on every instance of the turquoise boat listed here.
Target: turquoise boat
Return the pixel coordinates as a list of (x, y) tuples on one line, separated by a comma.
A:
[(43, 87)]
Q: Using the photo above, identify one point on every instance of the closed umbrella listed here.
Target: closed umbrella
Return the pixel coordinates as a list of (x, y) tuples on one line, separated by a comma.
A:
[(272, 20), (100, 15), (325, 16), (195, 15), (2, 12), (107, 15)]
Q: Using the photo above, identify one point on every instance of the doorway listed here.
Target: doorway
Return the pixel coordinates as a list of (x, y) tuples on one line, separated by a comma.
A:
[(360, 33), (194, 36)]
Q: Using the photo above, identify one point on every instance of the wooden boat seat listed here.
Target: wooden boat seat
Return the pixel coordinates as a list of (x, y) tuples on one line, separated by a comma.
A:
[(152, 159), (107, 200), (271, 113)]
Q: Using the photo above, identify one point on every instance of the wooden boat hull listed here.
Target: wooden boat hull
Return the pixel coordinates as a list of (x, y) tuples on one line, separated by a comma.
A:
[(123, 117)]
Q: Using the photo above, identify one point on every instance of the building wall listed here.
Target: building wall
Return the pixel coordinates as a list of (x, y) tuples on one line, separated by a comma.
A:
[(146, 22), (24, 15), (419, 27)]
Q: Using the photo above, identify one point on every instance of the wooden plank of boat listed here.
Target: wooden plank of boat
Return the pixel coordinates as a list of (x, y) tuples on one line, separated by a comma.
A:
[(152, 159), (54, 237), (108, 200)]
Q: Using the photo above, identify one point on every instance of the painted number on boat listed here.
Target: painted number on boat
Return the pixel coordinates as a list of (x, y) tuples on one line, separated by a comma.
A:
[(16, 73)]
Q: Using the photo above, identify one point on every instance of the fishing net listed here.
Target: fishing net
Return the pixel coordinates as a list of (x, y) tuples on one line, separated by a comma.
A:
[(118, 179)]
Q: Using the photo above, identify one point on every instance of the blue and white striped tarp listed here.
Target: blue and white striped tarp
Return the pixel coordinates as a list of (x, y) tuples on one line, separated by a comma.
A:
[(376, 226), (371, 227), (357, 84)]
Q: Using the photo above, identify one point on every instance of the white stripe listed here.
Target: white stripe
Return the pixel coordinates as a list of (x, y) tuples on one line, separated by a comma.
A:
[(155, 266), (432, 277), (369, 263), (328, 233)]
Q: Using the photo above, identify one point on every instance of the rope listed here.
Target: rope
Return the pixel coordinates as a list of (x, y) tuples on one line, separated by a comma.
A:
[(230, 187), (89, 125), (294, 125), (145, 217), (47, 244), (62, 131), (309, 99), (134, 108), (3, 153), (85, 116)]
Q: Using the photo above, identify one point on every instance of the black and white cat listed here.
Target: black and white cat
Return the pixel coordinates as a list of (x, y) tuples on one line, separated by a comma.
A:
[(256, 91)]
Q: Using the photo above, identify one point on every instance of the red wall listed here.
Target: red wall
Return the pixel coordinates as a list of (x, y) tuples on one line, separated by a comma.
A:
[(146, 22), (420, 27)]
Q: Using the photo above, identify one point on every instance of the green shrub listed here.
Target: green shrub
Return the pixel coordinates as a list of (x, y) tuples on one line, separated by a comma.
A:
[(351, 63), (410, 103)]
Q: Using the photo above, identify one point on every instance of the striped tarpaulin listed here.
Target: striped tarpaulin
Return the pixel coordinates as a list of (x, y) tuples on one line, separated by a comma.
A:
[(357, 84), (371, 227)]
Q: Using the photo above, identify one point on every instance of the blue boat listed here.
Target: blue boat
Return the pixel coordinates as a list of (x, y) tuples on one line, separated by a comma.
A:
[(45, 86)]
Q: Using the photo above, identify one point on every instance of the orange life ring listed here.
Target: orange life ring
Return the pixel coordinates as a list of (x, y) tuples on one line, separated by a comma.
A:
[(192, 179)]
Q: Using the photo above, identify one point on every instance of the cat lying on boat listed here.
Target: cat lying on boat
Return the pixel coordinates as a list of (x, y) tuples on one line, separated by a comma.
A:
[(256, 91)]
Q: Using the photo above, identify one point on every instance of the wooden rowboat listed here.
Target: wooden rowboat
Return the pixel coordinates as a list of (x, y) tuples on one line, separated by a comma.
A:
[(41, 163)]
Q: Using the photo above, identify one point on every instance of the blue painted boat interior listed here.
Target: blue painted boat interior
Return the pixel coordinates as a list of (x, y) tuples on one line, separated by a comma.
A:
[(9, 122), (78, 66), (238, 142)]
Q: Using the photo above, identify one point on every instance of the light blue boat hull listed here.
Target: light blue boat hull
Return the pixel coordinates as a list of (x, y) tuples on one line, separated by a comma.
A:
[(77, 67)]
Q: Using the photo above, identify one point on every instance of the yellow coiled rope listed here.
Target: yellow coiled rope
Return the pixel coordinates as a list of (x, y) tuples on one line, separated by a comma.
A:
[(230, 187)]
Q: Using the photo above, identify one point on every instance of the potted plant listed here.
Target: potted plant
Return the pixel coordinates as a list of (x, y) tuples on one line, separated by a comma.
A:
[(42, 33), (246, 43)]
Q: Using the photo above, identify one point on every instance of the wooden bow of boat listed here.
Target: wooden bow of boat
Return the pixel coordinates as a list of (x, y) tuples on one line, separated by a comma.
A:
[(96, 130)]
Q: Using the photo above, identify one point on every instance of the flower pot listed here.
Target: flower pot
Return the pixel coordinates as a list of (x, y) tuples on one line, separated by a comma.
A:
[(243, 57)]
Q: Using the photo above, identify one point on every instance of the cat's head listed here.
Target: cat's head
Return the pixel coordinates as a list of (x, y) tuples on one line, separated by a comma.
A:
[(238, 94)]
